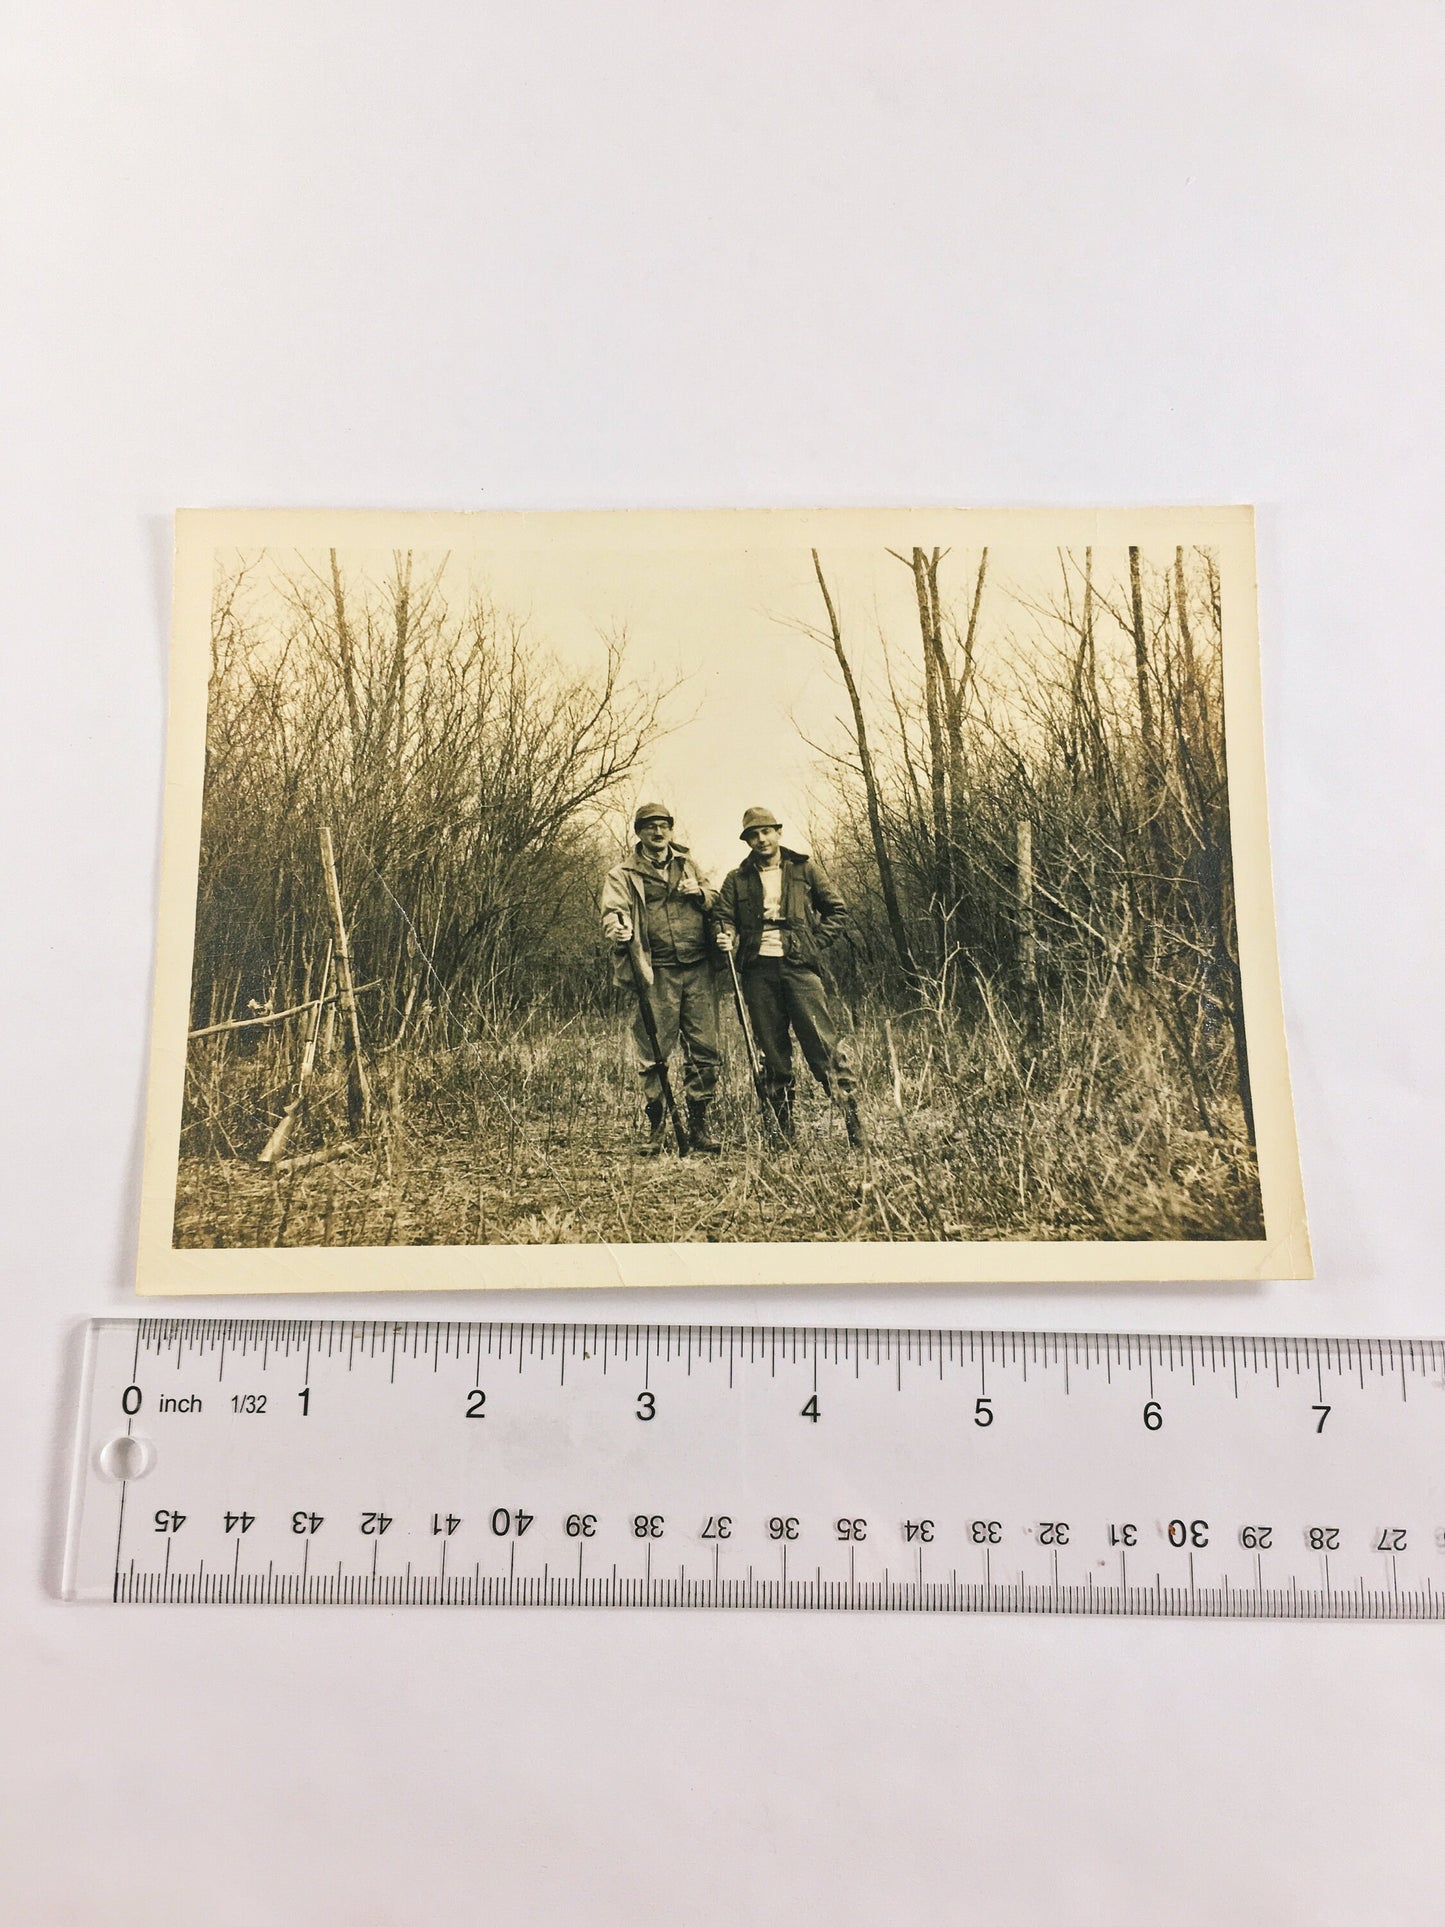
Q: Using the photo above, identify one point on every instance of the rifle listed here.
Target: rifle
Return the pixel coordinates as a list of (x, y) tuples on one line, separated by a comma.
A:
[(649, 1024), (755, 1056)]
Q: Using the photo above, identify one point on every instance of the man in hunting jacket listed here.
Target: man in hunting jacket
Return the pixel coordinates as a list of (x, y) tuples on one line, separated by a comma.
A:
[(779, 913), (655, 905)]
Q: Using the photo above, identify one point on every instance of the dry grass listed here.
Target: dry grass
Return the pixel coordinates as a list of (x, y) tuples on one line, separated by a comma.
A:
[(528, 1137)]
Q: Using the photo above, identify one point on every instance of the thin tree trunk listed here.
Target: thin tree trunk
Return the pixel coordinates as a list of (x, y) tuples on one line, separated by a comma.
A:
[(1185, 636), (1192, 698), (1028, 928), (347, 651), (1151, 776), (1028, 933), (948, 707), (1086, 685), (396, 688), (958, 840), (1230, 944), (870, 788), (1141, 660), (959, 694), (934, 674)]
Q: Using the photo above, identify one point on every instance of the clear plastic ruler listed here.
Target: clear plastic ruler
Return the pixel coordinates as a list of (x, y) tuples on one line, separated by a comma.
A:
[(284, 1462)]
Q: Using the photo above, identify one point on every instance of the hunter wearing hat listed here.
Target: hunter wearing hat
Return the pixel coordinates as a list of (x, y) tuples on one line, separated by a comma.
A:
[(779, 913), (655, 905)]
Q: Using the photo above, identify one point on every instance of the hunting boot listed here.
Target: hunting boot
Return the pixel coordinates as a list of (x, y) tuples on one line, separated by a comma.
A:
[(656, 1139), (853, 1123), (699, 1136), (782, 1108)]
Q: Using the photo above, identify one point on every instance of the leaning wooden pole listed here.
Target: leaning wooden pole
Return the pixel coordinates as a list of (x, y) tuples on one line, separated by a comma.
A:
[(276, 1143), (358, 1088)]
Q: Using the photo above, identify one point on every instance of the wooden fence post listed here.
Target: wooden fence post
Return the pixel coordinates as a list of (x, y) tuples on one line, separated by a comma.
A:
[(358, 1089)]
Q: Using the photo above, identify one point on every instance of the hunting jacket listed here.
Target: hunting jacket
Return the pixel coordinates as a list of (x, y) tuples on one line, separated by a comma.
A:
[(814, 915), (624, 911)]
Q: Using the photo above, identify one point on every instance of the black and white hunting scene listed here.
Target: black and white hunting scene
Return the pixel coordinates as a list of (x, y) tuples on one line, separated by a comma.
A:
[(764, 896)]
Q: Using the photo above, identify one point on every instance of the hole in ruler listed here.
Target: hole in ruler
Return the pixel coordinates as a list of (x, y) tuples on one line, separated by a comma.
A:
[(126, 1458)]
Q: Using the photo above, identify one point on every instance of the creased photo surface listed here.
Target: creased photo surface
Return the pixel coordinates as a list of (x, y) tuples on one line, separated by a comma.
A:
[(716, 898)]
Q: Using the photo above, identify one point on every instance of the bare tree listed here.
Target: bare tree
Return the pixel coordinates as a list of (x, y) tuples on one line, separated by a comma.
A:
[(1112, 760), (901, 945), (463, 770)]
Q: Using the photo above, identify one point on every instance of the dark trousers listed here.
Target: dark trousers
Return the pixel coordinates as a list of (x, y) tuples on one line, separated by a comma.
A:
[(684, 1005), (787, 1000)]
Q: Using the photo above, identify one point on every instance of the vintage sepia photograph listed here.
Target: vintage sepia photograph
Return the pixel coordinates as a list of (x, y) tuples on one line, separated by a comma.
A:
[(732, 897)]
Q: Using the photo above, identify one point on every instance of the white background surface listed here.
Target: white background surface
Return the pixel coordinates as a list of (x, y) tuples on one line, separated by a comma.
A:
[(455, 256)]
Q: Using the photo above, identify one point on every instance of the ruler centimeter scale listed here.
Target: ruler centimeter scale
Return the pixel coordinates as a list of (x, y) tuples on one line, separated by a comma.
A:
[(278, 1461)]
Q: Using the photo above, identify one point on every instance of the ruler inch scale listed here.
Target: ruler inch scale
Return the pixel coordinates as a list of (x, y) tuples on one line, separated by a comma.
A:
[(275, 1461)]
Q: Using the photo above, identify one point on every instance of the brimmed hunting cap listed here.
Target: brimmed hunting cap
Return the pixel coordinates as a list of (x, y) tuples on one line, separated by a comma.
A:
[(758, 818), (649, 813)]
